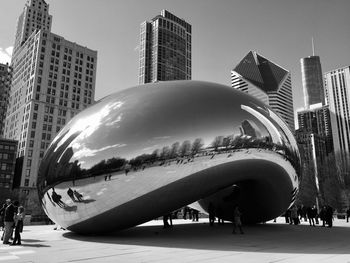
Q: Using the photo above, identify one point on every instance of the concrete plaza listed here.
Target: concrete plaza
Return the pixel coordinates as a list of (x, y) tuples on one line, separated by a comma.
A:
[(187, 241)]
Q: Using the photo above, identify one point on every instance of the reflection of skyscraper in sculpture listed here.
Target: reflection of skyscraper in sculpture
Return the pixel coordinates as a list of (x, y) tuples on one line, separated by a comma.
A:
[(165, 49), (249, 128), (311, 74), (266, 81)]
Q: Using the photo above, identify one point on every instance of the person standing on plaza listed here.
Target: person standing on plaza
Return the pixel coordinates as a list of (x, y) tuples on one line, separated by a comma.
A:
[(329, 216), (237, 220), (18, 218), (8, 221), (311, 214), (347, 215), (323, 215), (294, 214), (211, 211), (2, 214)]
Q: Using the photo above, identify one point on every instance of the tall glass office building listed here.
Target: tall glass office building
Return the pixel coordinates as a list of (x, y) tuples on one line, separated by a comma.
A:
[(311, 73), (165, 49)]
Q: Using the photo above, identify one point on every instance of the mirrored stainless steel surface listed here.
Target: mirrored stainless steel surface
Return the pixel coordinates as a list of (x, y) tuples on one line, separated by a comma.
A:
[(145, 151)]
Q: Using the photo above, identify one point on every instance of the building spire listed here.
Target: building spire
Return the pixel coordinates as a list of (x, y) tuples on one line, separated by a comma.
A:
[(313, 46)]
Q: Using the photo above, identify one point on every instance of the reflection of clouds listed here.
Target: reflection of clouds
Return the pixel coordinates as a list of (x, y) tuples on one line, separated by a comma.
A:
[(118, 119), (88, 125), (150, 148), (273, 131), (86, 152), (162, 138)]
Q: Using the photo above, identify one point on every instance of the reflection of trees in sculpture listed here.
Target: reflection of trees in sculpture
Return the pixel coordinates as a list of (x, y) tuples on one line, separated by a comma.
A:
[(165, 153), (185, 148), (174, 150), (217, 142), (161, 156), (112, 164), (197, 145), (227, 141)]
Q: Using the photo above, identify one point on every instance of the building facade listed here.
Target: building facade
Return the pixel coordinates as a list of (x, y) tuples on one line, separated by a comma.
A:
[(316, 120), (312, 80), (53, 79), (337, 86), (5, 85), (268, 82), (7, 163), (165, 49)]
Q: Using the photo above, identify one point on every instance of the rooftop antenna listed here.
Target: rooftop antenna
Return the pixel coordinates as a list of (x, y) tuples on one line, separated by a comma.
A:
[(313, 46)]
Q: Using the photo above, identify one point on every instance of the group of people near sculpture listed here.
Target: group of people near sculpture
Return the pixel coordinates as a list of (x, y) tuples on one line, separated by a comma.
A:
[(214, 212), (296, 214), (12, 216)]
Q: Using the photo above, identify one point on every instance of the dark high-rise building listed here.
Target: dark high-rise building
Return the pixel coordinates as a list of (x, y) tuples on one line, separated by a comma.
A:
[(165, 49), (7, 165), (268, 82), (311, 73), (5, 85), (317, 121)]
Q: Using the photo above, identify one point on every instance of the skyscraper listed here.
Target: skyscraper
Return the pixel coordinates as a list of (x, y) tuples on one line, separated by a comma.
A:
[(5, 84), (165, 49), (266, 81), (312, 79), (337, 86), (316, 120), (53, 79)]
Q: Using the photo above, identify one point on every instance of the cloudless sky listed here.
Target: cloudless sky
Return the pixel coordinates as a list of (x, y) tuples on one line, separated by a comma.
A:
[(223, 32)]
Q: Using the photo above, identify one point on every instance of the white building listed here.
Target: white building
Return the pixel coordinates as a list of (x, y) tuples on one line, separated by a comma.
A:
[(53, 79), (266, 81), (337, 90)]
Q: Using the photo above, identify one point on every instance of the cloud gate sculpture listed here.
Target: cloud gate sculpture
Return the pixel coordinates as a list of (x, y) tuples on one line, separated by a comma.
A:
[(148, 150)]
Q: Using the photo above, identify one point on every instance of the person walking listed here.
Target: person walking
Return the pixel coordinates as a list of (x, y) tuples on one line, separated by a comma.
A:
[(8, 221), (311, 214), (237, 220), (347, 215), (18, 218)]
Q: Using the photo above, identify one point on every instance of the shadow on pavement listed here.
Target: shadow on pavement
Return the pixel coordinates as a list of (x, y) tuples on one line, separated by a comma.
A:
[(34, 245), (269, 238)]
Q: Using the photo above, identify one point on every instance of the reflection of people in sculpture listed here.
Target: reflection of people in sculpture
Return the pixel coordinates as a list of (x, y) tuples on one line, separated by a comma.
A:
[(165, 220), (70, 193), (78, 195), (57, 198)]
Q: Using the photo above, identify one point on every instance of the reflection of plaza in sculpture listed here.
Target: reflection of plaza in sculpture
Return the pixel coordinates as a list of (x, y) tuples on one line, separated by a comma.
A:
[(148, 150)]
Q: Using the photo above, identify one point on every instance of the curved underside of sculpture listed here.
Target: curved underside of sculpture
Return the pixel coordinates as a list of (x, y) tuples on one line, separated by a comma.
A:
[(143, 152)]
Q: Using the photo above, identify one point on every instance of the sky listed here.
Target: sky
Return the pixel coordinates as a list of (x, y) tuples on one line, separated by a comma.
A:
[(223, 32)]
